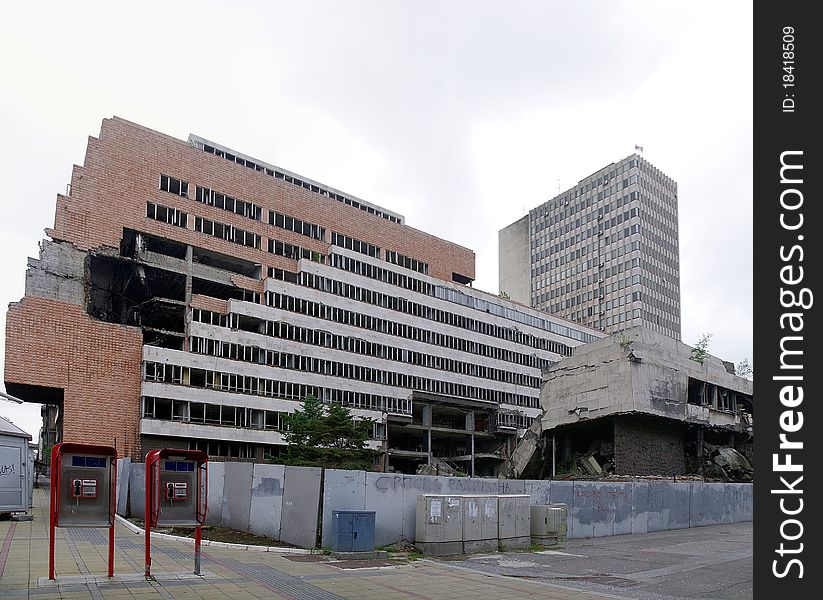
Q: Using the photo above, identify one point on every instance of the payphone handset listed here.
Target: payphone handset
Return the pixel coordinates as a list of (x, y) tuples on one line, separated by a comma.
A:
[(177, 491), (84, 488)]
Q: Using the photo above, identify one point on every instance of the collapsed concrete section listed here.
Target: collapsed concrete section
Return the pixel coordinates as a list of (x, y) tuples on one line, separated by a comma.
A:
[(640, 403)]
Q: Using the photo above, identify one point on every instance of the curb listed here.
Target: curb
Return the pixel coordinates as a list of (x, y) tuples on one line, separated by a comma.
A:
[(187, 540)]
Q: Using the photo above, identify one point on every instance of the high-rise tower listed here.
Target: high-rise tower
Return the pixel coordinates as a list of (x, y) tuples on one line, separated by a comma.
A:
[(604, 253)]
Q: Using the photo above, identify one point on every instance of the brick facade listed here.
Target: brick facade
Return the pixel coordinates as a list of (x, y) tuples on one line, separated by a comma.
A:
[(121, 173), (57, 345)]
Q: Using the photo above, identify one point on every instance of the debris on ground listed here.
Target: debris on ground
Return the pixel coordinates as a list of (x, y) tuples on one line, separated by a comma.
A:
[(438, 466), (220, 534)]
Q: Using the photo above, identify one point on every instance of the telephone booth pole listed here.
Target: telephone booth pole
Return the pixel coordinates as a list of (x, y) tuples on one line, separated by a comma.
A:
[(176, 494), (83, 478)]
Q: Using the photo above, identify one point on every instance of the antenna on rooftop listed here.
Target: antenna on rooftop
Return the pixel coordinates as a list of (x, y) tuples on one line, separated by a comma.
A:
[(558, 185)]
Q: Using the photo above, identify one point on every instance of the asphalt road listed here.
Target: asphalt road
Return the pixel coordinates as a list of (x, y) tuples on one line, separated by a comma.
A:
[(711, 563)]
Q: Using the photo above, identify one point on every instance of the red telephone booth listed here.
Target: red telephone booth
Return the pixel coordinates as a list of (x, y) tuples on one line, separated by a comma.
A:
[(176, 494), (83, 478)]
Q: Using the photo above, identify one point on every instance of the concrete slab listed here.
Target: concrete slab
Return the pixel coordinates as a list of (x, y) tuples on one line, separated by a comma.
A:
[(137, 490), (301, 501), (538, 491), (640, 506), (562, 492), (676, 498), (706, 504), (123, 465), (387, 503), (621, 498), (342, 490), (214, 509), (237, 495), (266, 500)]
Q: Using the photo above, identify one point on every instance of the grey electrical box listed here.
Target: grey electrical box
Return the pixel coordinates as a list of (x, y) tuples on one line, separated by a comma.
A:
[(514, 516), (439, 524), (85, 490), (549, 523), (178, 493), (352, 530), (15, 468), (480, 524)]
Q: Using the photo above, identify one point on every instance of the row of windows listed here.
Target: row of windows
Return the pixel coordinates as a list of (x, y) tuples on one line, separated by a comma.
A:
[(210, 414), (299, 183), (450, 295), (371, 323), (294, 252), (218, 200), (245, 384), (599, 258), (222, 415), (365, 269), (298, 226), (272, 388), (350, 243), (592, 184), (357, 346), (174, 186), (425, 311), (596, 231), (514, 420), (579, 200), (564, 227), (512, 314), (158, 212), (398, 259), (227, 232)]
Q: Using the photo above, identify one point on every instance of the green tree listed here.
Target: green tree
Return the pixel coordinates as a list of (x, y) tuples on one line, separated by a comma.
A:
[(700, 351), (744, 369), (326, 436)]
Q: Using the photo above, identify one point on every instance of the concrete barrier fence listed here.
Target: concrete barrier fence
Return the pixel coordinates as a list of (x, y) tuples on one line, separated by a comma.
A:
[(288, 503)]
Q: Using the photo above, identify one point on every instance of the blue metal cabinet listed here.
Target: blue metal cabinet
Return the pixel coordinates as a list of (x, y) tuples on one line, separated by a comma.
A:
[(352, 530)]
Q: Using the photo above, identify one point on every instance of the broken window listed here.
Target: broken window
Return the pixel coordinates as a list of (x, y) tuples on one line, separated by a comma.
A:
[(158, 212), (174, 186), (697, 392)]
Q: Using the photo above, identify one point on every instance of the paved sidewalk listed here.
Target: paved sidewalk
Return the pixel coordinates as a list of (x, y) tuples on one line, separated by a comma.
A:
[(702, 562), (81, 556)]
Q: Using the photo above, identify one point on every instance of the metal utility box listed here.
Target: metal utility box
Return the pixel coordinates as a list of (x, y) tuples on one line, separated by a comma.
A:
[(439, 524), (15, 469), (514, 516), (352, 530), (480, 524), (549, 523), (84, 490)]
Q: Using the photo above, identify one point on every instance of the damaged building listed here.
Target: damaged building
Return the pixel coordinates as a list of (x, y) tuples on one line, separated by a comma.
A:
[(640, 403), (190, 296)]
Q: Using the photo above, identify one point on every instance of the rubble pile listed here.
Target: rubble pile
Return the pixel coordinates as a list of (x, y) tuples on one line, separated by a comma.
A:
[(597, 461)]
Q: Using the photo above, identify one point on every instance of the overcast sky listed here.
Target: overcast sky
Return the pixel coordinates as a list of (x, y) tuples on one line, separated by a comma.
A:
[(459, 115)]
